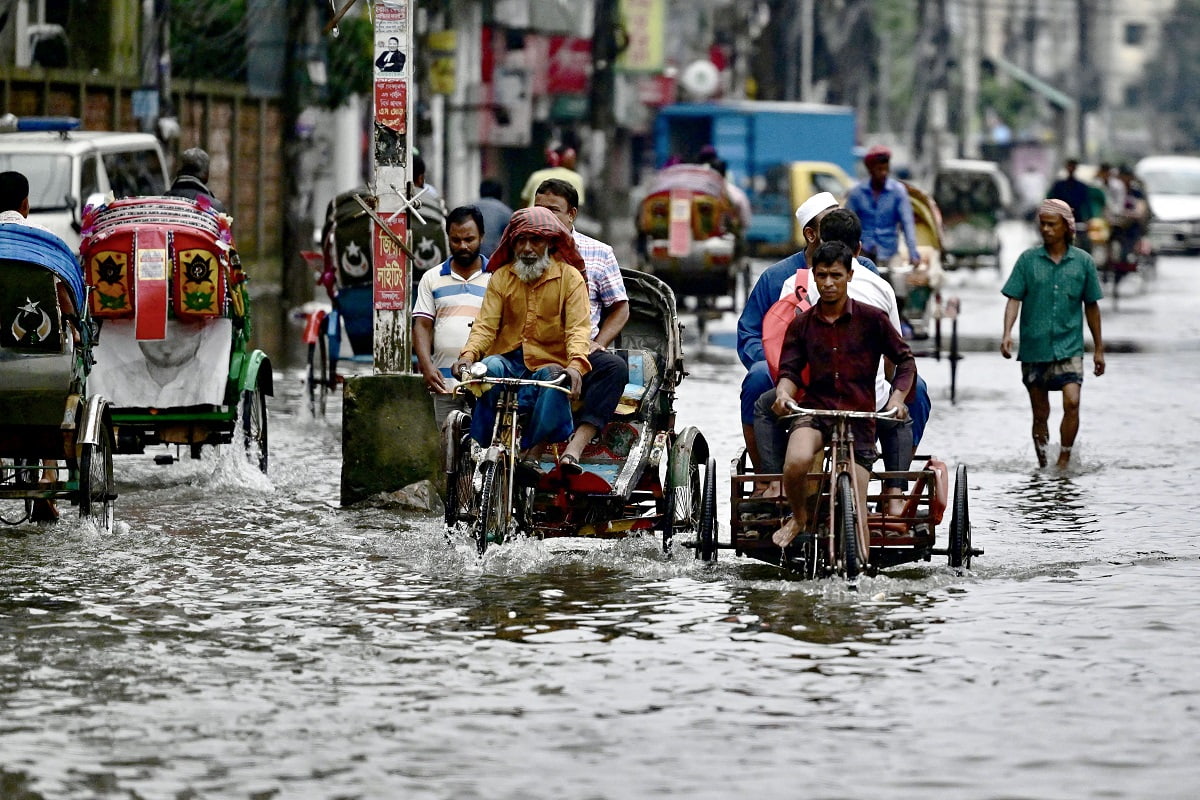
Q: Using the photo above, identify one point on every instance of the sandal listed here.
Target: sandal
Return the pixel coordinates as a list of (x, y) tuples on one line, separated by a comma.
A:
[(569, 464), (529, 471)]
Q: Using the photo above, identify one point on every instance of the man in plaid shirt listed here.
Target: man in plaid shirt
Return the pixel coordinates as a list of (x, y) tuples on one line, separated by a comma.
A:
[(602, 386)]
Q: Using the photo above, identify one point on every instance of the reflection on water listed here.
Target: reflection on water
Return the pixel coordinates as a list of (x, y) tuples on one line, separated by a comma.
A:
[(1054, 506), (243, 636)]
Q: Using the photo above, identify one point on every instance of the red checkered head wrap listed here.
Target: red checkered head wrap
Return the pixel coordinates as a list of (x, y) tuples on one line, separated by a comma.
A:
[(1050, 206), (536, 221)]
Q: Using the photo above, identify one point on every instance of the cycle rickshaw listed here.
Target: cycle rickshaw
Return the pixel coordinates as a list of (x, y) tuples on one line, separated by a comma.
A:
[(638, 474), (56, 439), (835, 543), (174, 359), (690, 237)]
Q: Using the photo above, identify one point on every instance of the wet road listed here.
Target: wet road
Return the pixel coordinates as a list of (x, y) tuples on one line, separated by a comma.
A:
[(243, 637)]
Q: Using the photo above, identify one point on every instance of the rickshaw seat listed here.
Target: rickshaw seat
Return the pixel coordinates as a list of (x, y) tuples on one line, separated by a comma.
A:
[(31, 319), (644, 381)]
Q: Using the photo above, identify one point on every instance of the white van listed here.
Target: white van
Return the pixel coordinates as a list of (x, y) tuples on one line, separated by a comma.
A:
[(66, 169)]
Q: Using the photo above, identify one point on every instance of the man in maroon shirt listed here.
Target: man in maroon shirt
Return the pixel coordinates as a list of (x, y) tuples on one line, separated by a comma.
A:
[(841, 342)]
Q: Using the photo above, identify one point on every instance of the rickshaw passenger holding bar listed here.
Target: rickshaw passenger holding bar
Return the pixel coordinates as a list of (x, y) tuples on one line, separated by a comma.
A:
[(534, 323)]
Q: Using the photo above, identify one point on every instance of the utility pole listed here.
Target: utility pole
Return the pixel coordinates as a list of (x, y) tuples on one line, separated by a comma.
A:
[(606, 146), (296, 278)]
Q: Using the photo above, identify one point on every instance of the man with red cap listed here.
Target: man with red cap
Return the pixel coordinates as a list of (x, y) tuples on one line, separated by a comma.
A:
[(882, 205), (1049, 286), (535, 322)]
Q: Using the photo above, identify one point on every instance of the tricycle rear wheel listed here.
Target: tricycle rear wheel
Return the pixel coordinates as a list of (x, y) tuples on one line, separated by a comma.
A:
[(460, 481), (317, 377), (960, 522), (254, 424), (706, 529)]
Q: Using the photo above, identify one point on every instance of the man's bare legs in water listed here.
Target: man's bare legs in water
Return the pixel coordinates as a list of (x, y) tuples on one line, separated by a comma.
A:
[(1039, 400)]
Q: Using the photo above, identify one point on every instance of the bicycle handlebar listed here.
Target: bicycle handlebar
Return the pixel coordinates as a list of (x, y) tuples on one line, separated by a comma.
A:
[(798, 411), (487, 382)]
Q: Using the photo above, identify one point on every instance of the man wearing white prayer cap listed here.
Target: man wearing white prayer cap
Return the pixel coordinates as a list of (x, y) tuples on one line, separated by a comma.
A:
[(764, 295)]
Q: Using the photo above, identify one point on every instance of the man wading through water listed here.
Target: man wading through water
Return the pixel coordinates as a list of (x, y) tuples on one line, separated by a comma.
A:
[(1049, 285)]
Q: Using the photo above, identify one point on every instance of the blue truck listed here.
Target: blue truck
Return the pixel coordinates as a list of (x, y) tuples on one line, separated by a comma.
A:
[(762, 143)]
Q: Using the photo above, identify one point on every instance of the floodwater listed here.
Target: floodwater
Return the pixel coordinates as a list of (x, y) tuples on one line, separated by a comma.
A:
[(241, 636)]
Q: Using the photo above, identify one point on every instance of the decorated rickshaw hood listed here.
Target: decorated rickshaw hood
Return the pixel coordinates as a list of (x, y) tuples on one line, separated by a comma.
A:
[(26, 243)]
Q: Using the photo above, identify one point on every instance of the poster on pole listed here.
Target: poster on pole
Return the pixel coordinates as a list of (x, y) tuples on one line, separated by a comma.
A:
[(391, 273)]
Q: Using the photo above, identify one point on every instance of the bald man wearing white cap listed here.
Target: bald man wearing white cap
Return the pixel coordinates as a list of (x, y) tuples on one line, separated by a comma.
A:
[(765, 293)]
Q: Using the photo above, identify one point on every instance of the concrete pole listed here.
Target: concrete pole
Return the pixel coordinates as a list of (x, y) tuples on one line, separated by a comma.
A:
[(806, 52), (394, 132), (969, 145), (389, 437), (462, 138)]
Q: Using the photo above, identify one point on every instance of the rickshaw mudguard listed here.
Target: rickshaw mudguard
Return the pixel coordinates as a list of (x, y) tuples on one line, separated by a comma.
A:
[(95, 412), (244, 369), (688, 441)]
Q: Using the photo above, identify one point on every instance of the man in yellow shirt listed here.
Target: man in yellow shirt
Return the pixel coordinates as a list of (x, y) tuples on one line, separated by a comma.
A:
[(535, 322)]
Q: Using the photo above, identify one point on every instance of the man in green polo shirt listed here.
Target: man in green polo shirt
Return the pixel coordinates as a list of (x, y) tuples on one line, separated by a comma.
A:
[(1050, 285)]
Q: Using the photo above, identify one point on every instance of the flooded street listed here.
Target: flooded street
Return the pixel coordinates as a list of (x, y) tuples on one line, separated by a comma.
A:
[(242, 636)]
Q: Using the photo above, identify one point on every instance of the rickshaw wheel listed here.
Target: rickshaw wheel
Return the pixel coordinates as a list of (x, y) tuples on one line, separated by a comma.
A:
[(254, 425), (492, 523), (960, 522), (706, 530), (96, 479), (460, 482), (847, 521), (316, 379)]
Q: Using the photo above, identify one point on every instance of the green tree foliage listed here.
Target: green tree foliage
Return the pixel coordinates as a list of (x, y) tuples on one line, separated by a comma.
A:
[(1173, 76), (208, 42), (350, 58)]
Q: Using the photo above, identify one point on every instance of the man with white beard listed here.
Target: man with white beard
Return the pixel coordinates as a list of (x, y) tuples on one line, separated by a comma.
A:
[(535, 322)]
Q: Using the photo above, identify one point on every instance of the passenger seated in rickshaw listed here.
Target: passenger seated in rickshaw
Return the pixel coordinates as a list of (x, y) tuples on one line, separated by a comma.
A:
[(14, 210), (608, 304), (839, 342), (534, 323)]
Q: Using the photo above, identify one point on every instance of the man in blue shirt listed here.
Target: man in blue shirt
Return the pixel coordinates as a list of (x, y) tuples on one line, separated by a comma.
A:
[(764, 295), (882, 204)]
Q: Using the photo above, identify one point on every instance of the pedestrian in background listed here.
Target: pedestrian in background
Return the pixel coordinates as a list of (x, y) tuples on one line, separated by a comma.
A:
[(1050, 286), (496, 214), (882, 204), (192, 181), (448, 300)]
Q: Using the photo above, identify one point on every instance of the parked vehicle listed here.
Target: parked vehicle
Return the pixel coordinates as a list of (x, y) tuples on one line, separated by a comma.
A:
[(759, 142), (69, 169), (973, 197), (1172, 186)]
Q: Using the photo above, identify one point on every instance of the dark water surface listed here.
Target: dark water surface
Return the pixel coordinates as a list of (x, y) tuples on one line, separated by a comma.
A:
[(244, 637)]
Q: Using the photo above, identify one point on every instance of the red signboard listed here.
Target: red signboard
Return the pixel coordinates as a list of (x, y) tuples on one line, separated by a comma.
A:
[(391, 266), (570, 65), (679, 227), (391, 104)]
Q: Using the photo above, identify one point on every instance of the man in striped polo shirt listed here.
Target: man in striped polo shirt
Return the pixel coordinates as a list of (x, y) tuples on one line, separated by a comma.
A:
[(448, 300), (602, 386)]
